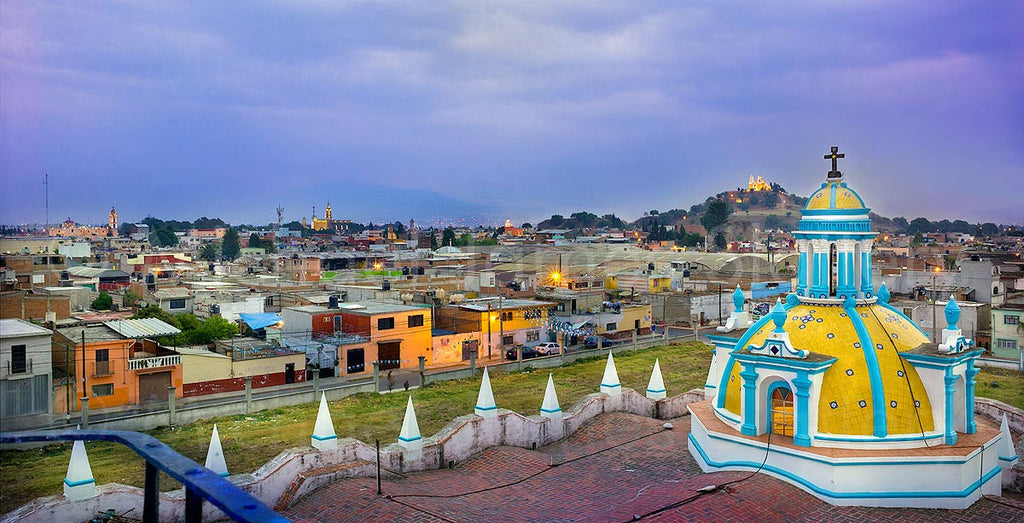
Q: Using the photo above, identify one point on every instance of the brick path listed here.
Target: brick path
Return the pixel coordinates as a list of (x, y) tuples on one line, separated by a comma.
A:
[(615, 467)]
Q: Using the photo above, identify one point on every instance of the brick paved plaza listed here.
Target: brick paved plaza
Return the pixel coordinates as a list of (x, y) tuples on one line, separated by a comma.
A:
[(614, 468)]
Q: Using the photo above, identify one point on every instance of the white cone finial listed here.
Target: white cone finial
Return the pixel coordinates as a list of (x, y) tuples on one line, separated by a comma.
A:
[(324, 436), (1006, 450), (610, 382), (550, 408), (79, 483), (215, 456), (485, 406), (656, 387), (410, 437)]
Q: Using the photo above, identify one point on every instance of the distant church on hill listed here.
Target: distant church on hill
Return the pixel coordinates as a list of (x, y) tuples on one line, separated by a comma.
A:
[(839, 393)]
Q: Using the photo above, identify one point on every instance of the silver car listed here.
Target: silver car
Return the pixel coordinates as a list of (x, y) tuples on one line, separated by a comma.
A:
[(547, 348)]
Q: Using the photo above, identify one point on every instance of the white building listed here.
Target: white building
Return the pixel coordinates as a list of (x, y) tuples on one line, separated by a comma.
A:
[(25, 369)]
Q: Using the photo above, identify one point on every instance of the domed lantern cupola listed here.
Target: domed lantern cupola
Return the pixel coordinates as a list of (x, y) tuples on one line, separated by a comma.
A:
[(835, 241)]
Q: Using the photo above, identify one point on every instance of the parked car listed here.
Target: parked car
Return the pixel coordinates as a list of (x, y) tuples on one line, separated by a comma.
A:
[(511, 353), (547, 348), (590, 342)]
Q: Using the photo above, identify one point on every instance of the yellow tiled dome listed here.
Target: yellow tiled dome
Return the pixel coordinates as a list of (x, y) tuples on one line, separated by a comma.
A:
[(834, 195), (845, 405)]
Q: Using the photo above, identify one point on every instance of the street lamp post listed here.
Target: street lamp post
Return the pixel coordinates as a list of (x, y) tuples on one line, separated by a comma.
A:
[(935, 272)]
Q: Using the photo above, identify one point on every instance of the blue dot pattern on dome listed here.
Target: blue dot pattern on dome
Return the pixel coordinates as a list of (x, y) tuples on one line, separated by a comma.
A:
[(862, 403), (892, 404)]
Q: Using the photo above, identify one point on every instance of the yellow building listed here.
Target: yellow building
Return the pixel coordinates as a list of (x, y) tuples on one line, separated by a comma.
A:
[(499, 322), (758, 185), (638, 281)]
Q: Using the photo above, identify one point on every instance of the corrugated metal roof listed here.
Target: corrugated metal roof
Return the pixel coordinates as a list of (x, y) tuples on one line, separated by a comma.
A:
[(142, 328)]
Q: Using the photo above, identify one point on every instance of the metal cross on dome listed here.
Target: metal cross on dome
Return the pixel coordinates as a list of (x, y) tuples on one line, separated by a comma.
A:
[(834, 156)]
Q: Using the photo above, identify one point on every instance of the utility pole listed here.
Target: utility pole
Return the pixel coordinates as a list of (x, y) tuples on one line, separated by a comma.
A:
[(46, 203), (488, 330)]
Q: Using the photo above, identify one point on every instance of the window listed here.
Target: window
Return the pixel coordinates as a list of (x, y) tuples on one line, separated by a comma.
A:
[(337, 324), (106, 389), (506, 316), (508, 340), (416, 321), (385, 323), (103, 362), (611, 327), (1011, 320), (176, 304), (18, 361), (782, 412), (1006, 344), (533, 336)]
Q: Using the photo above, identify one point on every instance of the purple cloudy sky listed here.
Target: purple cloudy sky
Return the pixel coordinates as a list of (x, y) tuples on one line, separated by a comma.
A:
[(478, 111)]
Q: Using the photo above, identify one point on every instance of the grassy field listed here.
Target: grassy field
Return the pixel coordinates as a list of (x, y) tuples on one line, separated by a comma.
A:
[(250, 441)]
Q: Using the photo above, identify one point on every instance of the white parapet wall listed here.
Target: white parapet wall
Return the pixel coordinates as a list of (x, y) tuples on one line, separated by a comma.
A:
[(295, 472)]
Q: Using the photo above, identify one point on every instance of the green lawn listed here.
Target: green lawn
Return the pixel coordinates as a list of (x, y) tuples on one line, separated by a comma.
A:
[(250, 441)]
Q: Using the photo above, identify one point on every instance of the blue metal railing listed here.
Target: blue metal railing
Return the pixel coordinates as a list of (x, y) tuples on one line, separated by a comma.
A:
[(200, 482)]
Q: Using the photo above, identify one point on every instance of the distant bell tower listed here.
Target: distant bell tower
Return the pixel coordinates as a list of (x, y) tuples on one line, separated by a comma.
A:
[(112, 222), (327, 211)]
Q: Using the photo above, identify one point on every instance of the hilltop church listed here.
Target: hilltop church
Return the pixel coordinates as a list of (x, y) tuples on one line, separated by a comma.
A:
[(839, 393)]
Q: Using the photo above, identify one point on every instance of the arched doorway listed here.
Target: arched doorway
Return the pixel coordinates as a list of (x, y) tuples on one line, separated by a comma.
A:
[(780, 414)]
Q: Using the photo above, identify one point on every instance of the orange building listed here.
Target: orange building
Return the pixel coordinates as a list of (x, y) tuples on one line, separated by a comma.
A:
[(115, 364)]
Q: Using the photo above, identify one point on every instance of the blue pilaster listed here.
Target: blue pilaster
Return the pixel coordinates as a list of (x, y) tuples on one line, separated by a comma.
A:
[(801, 274), (820, 284), (866, 286), (950, 417), (972, 426), (803, 394), (846, 286), (749, 375)]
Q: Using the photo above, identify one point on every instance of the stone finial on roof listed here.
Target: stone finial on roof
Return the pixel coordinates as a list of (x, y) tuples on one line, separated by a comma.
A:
[(737, 299), (410, 436), (952, 312), (883, 294), (656, 387), (610, 382), (324, 436), (549, 408), (215, 456), (79, 483), (485, 406)]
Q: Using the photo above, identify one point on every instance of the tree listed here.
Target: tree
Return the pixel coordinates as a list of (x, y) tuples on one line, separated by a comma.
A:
[(918, 238), (773, 222), (129, 298), (464, 240), (653, 212), (527, 225), (210, 252), (154, 311), (433, 241), (212, 329), (448, 237), (556, 220), (254, 240), (988, 229), (720, 240), (230, 248), (771, 200), (124, 230), (717, 213), (163, 238), (920, 225), (103, 302)]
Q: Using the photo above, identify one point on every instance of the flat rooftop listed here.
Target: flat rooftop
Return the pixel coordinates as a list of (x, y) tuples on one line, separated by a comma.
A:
[(615, 467)]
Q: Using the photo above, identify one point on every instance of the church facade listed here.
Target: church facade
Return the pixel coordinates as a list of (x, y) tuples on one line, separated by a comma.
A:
[(838, 392)]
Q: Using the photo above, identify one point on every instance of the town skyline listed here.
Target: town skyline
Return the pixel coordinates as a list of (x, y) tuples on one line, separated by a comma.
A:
[(451, 111)]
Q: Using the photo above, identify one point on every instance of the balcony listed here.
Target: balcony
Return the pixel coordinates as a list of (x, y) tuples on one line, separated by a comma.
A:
[(102, 369), (154, 362)]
